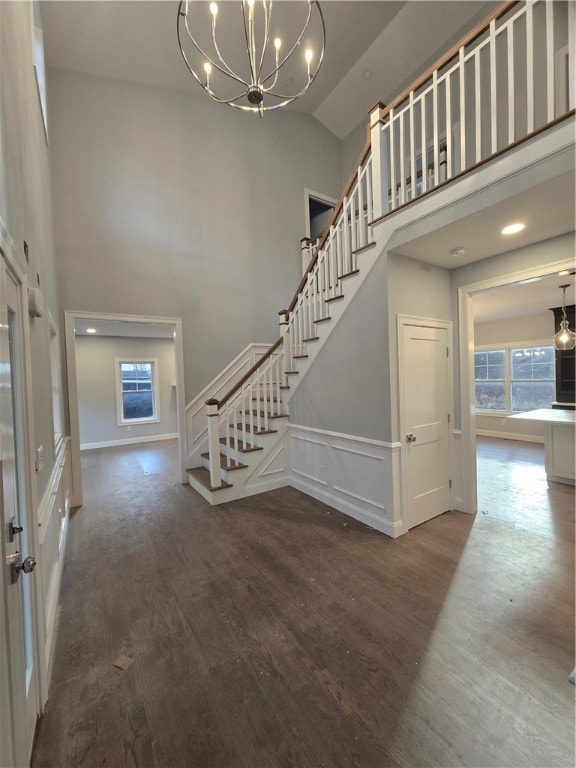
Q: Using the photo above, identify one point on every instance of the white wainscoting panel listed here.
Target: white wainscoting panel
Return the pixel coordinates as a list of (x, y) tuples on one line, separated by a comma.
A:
[(352, 474), (273, 471)]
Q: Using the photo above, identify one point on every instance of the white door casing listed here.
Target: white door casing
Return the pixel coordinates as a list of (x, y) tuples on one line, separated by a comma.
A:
[(425, 383), (19, 698)]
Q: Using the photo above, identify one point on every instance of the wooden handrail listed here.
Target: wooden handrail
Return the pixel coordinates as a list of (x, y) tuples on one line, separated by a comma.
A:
[(247, 375), (335, 214)]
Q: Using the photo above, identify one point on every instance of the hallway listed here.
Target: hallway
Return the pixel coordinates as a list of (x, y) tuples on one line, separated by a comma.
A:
[(275, 631)]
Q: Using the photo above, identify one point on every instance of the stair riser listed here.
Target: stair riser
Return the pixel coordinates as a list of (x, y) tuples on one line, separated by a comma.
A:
[(229, 476)]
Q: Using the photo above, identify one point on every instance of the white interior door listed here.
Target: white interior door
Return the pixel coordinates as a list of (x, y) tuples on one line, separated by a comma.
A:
[(20, 705), (425, 398)]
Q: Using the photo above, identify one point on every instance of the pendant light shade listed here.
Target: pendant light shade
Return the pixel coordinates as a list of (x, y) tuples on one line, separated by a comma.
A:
[(565, 338)]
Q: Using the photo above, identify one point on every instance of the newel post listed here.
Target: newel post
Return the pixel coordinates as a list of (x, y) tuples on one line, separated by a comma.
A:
[(285, 333), (212, 407), (306, 248), (379, 162)]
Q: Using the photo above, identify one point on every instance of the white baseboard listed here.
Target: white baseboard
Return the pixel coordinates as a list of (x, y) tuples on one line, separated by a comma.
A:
[(510, 436), (362, 515), (127, 441)]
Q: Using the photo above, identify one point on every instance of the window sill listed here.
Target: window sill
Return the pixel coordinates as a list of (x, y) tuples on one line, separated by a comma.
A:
[(131, 422)]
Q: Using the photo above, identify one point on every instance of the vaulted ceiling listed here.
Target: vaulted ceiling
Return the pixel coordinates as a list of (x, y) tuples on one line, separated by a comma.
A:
[(373, 49)]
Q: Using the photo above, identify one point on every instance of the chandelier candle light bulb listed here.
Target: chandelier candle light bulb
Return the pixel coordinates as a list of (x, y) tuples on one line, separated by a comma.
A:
[(256, 82)]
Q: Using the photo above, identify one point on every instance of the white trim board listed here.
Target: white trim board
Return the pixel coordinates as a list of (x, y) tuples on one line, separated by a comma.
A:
[(128, 441)]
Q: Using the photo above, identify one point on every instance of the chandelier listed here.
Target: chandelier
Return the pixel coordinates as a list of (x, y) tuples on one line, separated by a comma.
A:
[(240, 62), (565, 338)]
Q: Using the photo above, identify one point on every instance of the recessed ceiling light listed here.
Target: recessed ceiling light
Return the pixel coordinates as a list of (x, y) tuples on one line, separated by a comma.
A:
[(458, 252), (91, 330), (512, 229)]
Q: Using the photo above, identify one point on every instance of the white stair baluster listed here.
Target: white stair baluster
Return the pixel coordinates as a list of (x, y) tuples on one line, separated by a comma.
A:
[(511, 98), (529, 68), (493, 90)]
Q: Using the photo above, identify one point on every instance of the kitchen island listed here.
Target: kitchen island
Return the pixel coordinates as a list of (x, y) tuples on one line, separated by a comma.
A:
[(559, 430)]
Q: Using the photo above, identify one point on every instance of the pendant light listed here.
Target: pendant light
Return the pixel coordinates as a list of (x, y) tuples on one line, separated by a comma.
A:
[(565, 338)]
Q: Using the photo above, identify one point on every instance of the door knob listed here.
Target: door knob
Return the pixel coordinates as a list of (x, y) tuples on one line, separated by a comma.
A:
[(16, 565), (27, 565), (411, 438)]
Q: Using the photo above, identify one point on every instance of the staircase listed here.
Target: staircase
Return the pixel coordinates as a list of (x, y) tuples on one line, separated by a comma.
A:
[(422, 141)]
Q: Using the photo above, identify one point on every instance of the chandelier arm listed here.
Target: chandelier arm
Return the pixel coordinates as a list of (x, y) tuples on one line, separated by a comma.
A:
[(247, 29), (200, 51), (297, 43), (223, 101), (267, 16), (224, 64)]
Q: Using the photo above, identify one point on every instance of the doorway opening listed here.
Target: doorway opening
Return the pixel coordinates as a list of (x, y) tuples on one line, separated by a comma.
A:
[(125, 384), (318, 212), (523, 294)]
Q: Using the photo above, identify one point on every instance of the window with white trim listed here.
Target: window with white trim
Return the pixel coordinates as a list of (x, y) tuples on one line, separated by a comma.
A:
[(512, 379), (136, 391)]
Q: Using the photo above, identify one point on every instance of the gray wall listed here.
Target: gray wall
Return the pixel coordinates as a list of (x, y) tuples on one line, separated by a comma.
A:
[(352, 145), (352, 387), (347, 388), (167, 204), (25, 205), (96, 377)]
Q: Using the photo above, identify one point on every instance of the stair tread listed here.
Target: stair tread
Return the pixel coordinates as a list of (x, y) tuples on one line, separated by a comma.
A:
[(290, 373), (349, 274), (226, 463), (323, 319), (270, 415), (242, 446), (334, 298), (312, 338), (299, 357), (248, 428), (202, 475)]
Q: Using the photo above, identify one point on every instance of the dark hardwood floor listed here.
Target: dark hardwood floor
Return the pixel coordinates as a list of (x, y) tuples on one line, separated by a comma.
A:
[(275, 631)]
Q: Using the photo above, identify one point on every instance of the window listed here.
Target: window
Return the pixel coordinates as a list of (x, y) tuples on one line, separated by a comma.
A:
[(532, 378), (514, 380), (136, 391)]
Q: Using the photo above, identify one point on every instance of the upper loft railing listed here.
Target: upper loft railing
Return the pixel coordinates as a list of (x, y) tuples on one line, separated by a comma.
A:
[(512, 76)]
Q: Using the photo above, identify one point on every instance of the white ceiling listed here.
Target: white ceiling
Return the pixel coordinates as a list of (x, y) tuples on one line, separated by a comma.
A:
[(373, 49), (525, 298), (546, 209)]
